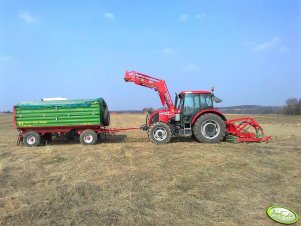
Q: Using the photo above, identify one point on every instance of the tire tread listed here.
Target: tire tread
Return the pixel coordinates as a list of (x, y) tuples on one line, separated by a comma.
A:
[(85, 132), (153, 126), (197, 128)]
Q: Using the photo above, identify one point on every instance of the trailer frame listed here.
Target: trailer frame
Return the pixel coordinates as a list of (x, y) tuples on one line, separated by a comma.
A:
[(45, 132)]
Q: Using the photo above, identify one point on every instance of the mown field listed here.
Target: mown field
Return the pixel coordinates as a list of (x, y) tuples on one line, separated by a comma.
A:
[(126, 180)]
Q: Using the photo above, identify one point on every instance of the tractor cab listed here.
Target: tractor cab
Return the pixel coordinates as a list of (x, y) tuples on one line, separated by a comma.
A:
[(189, 103)]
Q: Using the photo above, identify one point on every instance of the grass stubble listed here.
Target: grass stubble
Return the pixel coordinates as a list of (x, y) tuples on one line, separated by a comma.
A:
[(126, 180)]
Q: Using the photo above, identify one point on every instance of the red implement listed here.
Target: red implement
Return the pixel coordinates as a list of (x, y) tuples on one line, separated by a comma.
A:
[(245, 130)]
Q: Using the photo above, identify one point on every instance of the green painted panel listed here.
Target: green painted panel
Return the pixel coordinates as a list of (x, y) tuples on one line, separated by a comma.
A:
[(47, 110), (59, 103), (59, 113), (45, 115)]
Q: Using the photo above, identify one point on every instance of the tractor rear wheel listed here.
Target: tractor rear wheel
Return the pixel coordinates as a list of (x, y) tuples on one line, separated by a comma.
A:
[(159, 133), (209, 128), (88, 137)]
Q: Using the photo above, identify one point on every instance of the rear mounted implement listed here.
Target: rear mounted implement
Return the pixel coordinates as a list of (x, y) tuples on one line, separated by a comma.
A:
[(245, 130)]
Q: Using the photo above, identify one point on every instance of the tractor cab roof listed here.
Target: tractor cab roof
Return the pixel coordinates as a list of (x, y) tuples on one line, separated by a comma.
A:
[(195, 92)]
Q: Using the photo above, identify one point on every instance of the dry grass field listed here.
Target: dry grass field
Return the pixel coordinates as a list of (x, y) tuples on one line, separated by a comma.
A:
[(126, 180)]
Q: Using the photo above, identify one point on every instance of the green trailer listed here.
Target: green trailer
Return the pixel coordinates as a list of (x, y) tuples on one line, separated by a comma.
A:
[(40, 120)]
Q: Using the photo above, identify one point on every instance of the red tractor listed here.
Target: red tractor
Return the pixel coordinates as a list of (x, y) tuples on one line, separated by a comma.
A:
[(192, 114)]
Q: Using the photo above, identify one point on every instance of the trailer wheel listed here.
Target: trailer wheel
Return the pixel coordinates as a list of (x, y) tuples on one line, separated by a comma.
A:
[(209, 128), (106, 117), (159, 133), (70, 135), (105, 114), (32, 139), (88, 137)]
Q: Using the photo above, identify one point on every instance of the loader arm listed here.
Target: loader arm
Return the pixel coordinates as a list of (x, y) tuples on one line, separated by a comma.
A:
[(158, 85)]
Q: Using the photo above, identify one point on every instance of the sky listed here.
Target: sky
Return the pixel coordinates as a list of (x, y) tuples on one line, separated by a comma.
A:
[(250, 50)]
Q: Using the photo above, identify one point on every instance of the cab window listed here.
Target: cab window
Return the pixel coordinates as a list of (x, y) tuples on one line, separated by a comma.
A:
[(189, 104), (206, 101), (195, 102)]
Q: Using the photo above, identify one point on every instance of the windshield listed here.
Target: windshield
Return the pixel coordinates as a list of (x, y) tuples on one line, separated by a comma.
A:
[(206, 101)]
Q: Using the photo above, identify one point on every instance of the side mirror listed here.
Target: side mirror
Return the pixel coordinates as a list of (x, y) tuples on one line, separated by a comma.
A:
[(216, 99)]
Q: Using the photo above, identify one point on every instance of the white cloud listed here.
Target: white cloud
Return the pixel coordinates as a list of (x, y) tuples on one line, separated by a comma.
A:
[(199, 16), (183, 17), (189, 67), (27, 17), (5, 58), (168, 51), (109, 16), (266, 45)]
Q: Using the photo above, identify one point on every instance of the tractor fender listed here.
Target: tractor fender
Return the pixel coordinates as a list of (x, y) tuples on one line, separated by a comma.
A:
[(152, 118), (159, 116), (214, 111)]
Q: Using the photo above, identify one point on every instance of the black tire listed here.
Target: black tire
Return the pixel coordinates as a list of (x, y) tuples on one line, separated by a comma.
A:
[(46, 139), (88, 137), (70, 135), (209, 128), (159, 133), (32, 139), (105, 117), (193, 137)]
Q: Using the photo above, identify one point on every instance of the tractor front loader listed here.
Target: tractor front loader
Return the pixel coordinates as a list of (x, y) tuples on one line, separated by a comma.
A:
[(193, 114)]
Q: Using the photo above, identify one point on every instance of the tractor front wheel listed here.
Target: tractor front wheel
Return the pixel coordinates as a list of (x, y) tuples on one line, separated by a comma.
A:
[(159, 133), (209, 128)]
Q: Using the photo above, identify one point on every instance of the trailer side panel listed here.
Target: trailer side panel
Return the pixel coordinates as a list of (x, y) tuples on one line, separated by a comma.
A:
[(59, 113)]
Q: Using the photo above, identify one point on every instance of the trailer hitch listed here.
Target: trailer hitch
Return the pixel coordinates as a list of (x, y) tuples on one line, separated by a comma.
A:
[(144, 127)]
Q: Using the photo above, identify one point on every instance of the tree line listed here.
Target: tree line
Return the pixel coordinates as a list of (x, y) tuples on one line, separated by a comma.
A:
[(292, 107)]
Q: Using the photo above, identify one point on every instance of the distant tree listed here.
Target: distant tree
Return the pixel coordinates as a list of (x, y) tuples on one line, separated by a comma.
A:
[(147, 110), (292, 106)]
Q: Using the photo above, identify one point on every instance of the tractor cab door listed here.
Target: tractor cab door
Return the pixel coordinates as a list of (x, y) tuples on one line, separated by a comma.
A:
[(191, 103)]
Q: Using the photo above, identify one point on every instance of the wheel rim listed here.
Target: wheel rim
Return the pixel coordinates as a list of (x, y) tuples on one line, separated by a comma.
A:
[(160, 134), (210, 129), (88, 138), (30, 140)]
